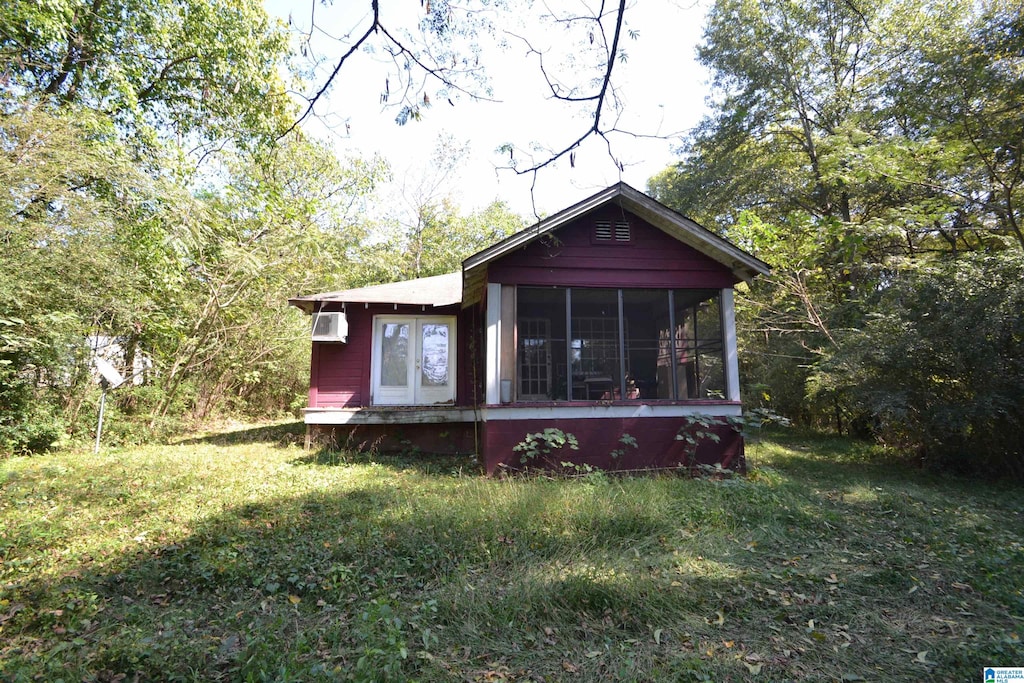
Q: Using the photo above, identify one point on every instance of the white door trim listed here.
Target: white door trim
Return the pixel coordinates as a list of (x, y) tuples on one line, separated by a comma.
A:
[(414, 393)]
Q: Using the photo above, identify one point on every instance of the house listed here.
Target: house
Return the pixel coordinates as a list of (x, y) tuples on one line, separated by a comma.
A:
[(611, 319)]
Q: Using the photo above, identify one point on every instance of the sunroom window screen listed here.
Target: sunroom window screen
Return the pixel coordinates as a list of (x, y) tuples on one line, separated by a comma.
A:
[(541, 345), (594, 344), (667, 345), (700, 371)]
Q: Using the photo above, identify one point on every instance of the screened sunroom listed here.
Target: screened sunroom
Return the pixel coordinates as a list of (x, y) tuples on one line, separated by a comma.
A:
[(603, 344)]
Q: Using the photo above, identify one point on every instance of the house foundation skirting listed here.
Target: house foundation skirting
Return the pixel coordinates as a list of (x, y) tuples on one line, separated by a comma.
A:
[(427, 429), (598, 429), (601, 446), (453, 438)]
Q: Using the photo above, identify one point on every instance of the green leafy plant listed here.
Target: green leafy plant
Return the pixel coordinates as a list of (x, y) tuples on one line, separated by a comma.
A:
[(540, 444), (626, 442), (384, 647), (697, 429), (591, 474)]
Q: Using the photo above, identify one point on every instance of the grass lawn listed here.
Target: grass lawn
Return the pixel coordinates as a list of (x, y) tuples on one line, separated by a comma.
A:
[(241, 557)]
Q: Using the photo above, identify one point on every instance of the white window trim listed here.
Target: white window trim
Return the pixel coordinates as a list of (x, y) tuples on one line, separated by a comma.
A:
[(598, 411)]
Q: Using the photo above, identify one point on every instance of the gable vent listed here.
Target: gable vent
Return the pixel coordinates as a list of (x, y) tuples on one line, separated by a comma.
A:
[(621, 231), (603, 230)]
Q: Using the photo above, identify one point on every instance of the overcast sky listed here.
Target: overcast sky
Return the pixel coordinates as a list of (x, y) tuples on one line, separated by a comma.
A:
[(663, 88)]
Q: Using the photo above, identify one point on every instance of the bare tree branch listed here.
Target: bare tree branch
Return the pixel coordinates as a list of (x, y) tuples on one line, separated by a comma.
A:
[(375, 4), (398, 49), (599, 98)]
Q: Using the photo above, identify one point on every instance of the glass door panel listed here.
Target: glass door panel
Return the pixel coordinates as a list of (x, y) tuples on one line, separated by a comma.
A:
[(435, 371), (413, 360), (394, 343)]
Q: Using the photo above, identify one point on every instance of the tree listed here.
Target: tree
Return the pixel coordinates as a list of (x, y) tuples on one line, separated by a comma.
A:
[(109, 235), (201, 71), (279, 227), (95, 248), (937, 368), (68, 270), (441, 240), (968, 67), (848, 141)]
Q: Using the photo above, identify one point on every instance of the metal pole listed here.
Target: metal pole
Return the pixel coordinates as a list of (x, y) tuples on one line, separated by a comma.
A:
[(99, 424)]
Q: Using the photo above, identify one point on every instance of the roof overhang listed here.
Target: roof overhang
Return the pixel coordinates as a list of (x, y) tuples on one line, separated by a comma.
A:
[(438, 290)]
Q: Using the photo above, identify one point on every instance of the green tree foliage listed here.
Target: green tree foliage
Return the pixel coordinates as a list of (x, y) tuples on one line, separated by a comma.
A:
[(67, 271), (280, 227), (938, 365), (425, 234), (204, 70), (435, 243), (847, 141), (108, 237)]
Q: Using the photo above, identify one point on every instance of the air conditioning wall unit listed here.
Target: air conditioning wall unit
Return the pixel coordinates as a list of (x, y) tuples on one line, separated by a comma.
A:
[(330, 327)]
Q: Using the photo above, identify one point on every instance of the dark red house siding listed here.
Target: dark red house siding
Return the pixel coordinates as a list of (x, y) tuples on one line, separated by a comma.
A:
[(572, 258), (340, 373), (657, 446)]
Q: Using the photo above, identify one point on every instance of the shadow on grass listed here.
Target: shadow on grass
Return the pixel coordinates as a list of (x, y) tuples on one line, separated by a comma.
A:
[(309, 586)]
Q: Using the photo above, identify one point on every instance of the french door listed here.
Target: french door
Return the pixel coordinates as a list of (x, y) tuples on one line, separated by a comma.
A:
[(534, 359), (413, 360)]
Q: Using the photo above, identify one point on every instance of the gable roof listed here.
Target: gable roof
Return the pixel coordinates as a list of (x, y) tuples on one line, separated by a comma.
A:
[(742, 264), (438, 290)]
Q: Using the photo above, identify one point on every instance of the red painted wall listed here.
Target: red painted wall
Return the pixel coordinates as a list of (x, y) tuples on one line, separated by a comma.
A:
[(340, 373), (657, 446), (651, 259)]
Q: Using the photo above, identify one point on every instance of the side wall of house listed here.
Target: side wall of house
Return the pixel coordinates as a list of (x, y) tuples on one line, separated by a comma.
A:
[(340, 372)]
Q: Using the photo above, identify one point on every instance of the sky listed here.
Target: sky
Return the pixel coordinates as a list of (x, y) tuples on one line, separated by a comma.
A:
[(661, 84)]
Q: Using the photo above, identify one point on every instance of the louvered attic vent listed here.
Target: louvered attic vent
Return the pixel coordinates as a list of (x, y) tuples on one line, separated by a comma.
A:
[(607, 231)]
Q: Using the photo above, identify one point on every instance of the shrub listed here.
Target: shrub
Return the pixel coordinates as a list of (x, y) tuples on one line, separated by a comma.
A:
[(939, 370)]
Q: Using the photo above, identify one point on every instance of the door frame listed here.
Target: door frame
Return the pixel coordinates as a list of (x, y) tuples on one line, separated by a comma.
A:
[(415, 391)]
